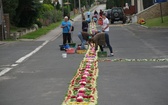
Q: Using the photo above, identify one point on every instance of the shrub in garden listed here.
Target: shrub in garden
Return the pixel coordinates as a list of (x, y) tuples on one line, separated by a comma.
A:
[(58, 15), (38, 23)]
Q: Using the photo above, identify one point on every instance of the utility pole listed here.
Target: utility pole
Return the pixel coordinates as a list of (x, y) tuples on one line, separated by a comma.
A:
[(79, 6), (63, 8), (75, 4), (161, 14), (1, 21)]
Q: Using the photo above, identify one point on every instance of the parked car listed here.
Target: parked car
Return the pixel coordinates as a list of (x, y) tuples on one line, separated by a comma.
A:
[(108, 13), (117, 14)]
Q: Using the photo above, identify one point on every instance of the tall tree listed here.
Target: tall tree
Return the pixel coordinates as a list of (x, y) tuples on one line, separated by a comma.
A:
[(147, 3), (9, 6), (27, 12), (58, 6), (47, 1)]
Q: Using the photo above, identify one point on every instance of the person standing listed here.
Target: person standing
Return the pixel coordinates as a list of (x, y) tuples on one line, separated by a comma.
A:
[(66, 30), (84, 25), (88, 14), (105, 25), (101, 39), (101, 12), (95, 12)]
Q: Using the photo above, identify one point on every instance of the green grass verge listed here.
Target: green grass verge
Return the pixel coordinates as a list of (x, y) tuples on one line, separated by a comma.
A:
[(156, 22), (41, 31)]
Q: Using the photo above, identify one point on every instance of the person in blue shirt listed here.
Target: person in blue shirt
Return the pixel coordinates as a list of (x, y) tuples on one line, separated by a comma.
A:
[(88, 14), (66, 30)]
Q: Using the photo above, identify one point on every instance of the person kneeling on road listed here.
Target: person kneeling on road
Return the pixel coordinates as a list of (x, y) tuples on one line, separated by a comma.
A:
[(84, 37), (101, 39)]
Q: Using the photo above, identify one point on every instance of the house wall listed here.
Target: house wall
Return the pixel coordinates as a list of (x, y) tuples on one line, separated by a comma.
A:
[(154, 11)]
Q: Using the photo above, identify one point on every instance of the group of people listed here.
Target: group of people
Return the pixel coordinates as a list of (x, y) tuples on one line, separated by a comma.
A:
[(94, 17), (99, 38)]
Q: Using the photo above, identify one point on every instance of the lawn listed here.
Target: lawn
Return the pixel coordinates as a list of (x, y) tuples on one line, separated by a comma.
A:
[(157, 22), (41, 31)]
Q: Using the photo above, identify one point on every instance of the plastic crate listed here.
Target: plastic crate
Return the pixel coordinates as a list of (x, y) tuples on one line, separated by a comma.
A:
[(72, 45), (70, 51), (102, 54), (81, 51)]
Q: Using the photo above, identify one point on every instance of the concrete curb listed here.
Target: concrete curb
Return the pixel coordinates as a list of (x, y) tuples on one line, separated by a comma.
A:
[(144, 26), (2, 43)]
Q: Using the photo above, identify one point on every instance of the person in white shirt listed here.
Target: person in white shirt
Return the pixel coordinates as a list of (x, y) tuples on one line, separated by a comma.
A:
[(105, 26)]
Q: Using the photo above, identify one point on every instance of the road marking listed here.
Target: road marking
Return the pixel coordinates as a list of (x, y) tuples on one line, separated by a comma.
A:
[(31, 53), (161, 67), (14, 65), (5, 71)]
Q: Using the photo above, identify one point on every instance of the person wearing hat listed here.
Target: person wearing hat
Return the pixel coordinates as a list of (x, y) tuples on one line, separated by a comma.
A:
[(66, 30), (101, 39), (84, 37)]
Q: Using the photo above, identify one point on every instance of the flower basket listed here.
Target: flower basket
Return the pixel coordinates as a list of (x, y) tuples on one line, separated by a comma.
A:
[(70, 51), (81, 51), (102, 54), (72, 45)]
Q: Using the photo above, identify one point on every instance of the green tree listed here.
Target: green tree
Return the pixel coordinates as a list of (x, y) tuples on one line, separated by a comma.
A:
[(45, 11), (27, 12), (9, 6), (147, 3), (58, 6), (47, 1), (110, 4)]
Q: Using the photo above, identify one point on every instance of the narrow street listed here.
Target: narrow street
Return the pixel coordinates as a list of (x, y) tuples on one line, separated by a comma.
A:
[(43, 78)]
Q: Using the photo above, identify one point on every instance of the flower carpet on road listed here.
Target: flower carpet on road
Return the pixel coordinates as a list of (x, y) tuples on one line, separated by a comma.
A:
[(82, 89), (132, 60)]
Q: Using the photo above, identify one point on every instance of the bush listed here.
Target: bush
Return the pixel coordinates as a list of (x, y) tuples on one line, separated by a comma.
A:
[(59, 15), (39, 24), (26, 13), (48, 15), (48, 7), (66, 11)]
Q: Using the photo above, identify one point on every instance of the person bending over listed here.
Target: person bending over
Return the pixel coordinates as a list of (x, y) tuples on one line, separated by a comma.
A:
[(101, 39)]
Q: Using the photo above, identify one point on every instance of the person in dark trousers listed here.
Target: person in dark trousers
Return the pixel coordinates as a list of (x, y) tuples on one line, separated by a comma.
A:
[(101, 39), (84, 25), (66, 30)]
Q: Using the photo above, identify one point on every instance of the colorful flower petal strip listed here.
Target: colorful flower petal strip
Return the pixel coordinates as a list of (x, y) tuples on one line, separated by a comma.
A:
[(93, 28), (82, 89), (133, 60)]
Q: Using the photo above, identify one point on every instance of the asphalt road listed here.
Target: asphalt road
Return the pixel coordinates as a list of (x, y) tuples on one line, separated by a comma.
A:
[(44, 77)]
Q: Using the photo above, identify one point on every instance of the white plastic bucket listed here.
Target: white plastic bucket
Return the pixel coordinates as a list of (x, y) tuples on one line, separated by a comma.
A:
[(64, 55)]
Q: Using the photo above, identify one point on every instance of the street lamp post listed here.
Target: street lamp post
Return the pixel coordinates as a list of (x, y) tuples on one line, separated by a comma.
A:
[(1, 20), (79, 6), (75, 4), (62, 8)]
